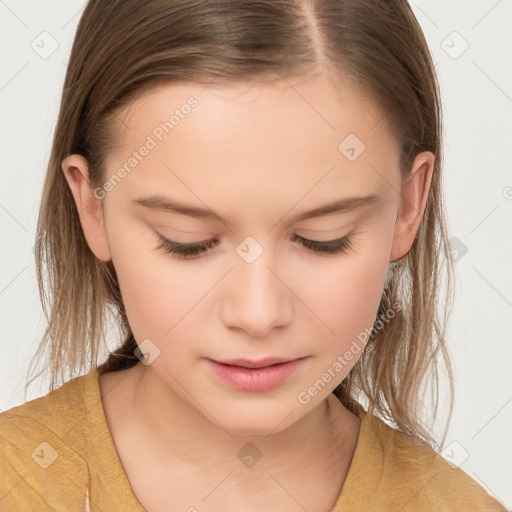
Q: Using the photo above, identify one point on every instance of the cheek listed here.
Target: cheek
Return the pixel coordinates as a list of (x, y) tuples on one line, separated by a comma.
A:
[(344, 297), (157, 296), (160, 304)]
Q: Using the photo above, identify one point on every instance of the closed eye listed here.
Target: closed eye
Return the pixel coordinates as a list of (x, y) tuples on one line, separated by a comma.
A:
[(338, 246), (193, 250)]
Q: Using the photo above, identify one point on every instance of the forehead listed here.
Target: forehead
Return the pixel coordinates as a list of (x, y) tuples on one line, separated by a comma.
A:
[(286, 136)]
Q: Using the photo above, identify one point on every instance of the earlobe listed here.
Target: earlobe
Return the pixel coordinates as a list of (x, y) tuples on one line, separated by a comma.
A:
[(89, 207), (414, 195)]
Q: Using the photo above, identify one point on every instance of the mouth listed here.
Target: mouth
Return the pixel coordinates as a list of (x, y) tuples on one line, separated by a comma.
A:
[(262, 375), (261, 363)]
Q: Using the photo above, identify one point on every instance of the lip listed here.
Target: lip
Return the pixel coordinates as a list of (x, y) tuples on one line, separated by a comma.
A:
[(262, 375), (248, 363)]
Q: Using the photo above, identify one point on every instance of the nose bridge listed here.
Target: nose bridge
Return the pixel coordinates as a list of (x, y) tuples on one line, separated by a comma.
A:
[(257, 299)]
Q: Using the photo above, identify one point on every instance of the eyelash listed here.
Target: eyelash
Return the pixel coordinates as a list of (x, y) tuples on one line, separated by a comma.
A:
[(192, 251)]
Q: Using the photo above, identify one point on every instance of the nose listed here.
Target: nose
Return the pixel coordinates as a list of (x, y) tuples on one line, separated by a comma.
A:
[(256, 299)]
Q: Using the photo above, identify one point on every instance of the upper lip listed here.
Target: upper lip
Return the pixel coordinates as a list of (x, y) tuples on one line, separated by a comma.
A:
[(247, 363)]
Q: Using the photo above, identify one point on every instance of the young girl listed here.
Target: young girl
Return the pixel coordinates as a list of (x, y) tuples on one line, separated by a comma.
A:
[(253, 190)]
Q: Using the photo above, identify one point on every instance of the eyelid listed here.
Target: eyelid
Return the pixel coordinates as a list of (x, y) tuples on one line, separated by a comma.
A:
[(321, 242), (186, 251), (209, 241), (190, 245), (202, 249)]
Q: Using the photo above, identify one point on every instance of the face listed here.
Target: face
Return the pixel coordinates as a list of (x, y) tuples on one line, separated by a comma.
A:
[(254, 275)]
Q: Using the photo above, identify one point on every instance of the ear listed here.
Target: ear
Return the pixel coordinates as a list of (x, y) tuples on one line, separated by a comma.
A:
[(414, 195), (89, 206)]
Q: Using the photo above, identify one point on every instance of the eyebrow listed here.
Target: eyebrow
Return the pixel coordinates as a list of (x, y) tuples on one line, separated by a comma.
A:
[(165, 204)]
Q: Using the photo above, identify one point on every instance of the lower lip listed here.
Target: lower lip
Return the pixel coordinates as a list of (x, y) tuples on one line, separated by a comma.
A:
[(255, 379)]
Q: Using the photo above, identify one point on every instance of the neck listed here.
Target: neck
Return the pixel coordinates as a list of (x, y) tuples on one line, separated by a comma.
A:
[(174, 431)]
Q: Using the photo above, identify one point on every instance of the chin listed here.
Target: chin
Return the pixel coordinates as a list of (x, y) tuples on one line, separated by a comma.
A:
[(254, 423), (252, 430)]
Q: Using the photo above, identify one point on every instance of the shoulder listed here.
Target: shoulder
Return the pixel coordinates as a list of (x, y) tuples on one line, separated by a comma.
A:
[(43, 441), (417, 473), (55, 415), (394, 471)]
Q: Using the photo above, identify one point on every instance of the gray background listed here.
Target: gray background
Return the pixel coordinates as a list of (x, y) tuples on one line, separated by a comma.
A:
[(476, 84)]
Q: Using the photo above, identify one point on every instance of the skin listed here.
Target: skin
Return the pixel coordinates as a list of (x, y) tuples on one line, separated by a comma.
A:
[(240, 144)]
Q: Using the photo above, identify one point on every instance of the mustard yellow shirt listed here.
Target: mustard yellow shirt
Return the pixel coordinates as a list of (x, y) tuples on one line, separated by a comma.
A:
[(55, 448)]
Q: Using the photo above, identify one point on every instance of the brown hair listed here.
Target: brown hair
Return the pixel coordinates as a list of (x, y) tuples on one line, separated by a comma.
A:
[(122, 48)]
